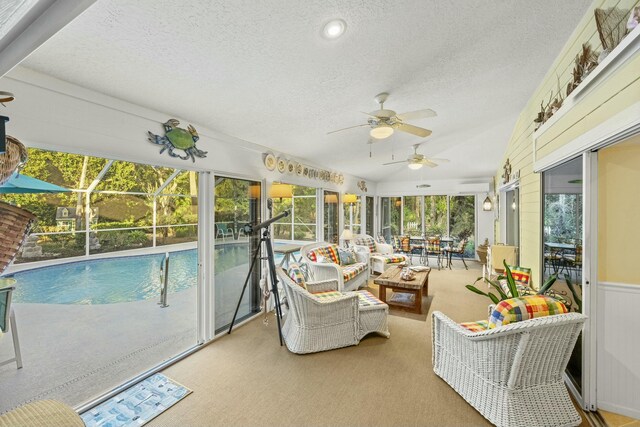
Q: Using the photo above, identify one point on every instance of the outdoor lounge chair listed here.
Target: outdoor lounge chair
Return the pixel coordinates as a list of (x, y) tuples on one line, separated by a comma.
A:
[(322, 318), (8, 320), (512, 374), (223, 231)]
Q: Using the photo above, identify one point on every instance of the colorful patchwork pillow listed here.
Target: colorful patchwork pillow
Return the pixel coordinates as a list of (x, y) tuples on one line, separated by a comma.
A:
[(366, 241), (296, 274), (347, 257), (381, 239), (524, 308), (520, 274)]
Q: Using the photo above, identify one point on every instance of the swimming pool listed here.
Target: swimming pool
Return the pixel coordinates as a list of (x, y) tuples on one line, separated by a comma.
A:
[(105, 281), (121, 279)]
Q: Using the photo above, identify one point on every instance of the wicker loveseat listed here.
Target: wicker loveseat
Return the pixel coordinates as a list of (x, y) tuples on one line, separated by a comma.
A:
[(512, 374), (381, 255), (320, 318), (349, 277)]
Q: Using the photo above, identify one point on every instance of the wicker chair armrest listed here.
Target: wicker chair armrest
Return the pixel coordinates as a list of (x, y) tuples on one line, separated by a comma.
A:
[(322, 286)]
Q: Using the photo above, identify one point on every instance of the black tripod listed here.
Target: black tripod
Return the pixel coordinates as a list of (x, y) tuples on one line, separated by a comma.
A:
[(266, 238)]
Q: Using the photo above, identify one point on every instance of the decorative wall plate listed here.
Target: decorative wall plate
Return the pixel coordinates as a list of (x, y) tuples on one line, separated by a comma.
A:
[(282, 165), (270, 161), (341, 179), (291, 167), (306, 172), (332, 177), (299, 169)]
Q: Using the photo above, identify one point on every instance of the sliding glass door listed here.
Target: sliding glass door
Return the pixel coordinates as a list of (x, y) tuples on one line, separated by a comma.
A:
[(237, 202), (390, 217), (369, 216), (562, 242)]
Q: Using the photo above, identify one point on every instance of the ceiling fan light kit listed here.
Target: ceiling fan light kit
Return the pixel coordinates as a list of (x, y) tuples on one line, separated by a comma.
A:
[(334, 29), (381, 131), (415, 166), (383, 122)]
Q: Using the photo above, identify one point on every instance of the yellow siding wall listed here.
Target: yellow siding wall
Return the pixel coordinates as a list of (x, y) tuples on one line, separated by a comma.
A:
[(605, 101), (619, 212)]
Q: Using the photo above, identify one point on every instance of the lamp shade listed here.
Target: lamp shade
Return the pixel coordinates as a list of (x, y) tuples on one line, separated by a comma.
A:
[(254, 191), (346, 234), (381, 131), (349, 198), (487, 205), (331, 199), (415, 166), (279, 190)]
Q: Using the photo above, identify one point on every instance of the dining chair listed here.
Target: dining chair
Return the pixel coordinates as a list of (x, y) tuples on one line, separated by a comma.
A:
[(8, 322)]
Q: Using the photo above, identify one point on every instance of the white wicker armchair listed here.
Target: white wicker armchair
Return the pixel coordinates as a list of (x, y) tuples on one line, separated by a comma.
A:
[(333, 271), (513, 374), (381, 255), (315, 324)]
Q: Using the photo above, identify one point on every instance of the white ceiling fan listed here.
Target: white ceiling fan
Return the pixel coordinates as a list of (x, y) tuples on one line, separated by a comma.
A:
[(383, 122), (416, 161)]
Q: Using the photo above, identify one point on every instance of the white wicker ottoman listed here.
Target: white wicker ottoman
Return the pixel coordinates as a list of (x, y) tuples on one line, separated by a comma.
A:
[(373, 315)]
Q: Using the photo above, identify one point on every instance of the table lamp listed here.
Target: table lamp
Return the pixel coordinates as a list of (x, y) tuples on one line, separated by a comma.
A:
[(346, 236)]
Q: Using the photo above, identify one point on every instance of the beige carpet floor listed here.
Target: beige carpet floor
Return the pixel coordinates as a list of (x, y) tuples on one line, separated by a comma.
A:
[(247, 379)]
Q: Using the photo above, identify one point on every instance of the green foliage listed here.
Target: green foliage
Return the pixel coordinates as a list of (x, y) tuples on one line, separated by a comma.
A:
[(574, 292), (513, 289), (493, 298), (546, 286)]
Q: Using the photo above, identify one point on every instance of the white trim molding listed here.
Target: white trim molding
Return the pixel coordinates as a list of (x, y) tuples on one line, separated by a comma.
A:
[(617, 128)]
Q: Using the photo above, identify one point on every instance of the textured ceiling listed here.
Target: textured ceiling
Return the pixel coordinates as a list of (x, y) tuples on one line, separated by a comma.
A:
[(261, 71)]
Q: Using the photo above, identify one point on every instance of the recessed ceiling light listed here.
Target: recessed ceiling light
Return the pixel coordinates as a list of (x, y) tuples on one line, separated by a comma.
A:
[(334, 29)]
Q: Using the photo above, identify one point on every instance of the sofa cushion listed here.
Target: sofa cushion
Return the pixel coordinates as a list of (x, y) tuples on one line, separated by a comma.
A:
[(351, 271), (330, 252), (297, 275), (366, 241), (524, 308), (347, 256), (520, 274), (390, 259), (479, 326)]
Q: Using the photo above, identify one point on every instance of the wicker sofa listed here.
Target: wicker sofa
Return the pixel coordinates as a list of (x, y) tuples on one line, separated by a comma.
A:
[(512, 374), (349, 277), (320, 318), (381, 255)]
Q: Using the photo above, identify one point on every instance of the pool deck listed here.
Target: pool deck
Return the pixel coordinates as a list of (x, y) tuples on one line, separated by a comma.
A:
[(76, 352)]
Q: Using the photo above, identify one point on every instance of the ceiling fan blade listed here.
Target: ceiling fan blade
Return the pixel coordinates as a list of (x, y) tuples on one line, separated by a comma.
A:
[(439, 160), (428, 162), (418, 114), (414, 130), (350, 127), (394, 163)]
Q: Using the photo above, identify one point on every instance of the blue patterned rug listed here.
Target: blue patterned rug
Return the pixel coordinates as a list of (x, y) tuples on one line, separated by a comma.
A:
[(138, 404)]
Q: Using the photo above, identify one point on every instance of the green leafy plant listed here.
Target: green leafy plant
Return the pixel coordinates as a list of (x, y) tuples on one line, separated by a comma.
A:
[(574, 292), (511, 284)]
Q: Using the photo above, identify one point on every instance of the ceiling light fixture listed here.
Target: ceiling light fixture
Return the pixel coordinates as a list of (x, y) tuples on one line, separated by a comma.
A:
[(415, 166), (381, 131), (423, 185), (334, 29)]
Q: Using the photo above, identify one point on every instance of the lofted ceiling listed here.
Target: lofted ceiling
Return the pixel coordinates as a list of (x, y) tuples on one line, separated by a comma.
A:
[(262, 72)]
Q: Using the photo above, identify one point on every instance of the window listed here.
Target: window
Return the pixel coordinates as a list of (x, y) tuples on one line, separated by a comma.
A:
[(369, 216), (301, 223), (390, 217), (352, 215), (435, 216), (412, 216), (462, 221), (331, 217)]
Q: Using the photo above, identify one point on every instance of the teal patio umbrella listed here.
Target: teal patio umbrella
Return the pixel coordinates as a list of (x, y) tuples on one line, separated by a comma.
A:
[(25, 184)]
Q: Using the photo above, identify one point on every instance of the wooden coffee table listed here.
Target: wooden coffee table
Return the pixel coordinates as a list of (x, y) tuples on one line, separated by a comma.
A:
[(390, 279)]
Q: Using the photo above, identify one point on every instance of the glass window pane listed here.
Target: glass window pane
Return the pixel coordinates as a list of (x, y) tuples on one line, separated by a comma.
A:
[(237, 202), (462, 221), (331, 217), (412, 215), (301, 223), (369, 216), (390, 208), (351, 215), (435, 215)]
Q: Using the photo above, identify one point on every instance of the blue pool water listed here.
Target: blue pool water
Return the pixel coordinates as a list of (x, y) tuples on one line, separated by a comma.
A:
[(105, 281), (122, 279)]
